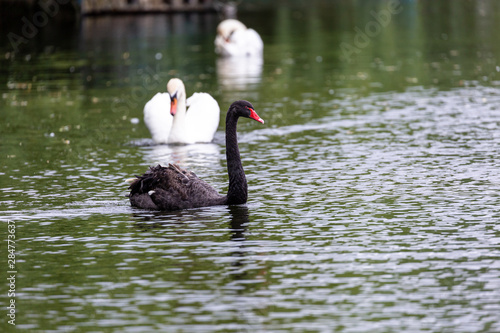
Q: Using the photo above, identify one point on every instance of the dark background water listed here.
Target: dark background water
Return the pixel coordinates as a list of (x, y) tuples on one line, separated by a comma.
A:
[(373, 185)]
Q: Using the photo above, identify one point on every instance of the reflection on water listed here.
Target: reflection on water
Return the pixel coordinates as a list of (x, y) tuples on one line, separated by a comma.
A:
[(239, 73), (238, 226), (191, 156), (373, 188)]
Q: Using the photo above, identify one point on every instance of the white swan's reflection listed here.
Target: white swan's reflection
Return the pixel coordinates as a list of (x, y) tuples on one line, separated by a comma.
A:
[(194, 156), (239, 73)]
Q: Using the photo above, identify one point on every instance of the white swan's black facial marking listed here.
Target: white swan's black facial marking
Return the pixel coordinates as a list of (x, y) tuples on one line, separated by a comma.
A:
[(174, 98), (228, 38), (173, 104)]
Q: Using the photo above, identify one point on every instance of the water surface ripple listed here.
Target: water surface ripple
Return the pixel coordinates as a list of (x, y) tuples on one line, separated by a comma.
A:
[(383, 219)]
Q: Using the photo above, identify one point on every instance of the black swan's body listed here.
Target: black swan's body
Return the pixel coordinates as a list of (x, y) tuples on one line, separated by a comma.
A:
[(172, 188)]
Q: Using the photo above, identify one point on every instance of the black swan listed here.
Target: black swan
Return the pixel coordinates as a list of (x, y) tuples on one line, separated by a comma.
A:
[(172, 188)]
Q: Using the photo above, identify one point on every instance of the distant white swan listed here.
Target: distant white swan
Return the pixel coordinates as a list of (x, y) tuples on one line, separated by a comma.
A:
[(168, 120), (235, 39)]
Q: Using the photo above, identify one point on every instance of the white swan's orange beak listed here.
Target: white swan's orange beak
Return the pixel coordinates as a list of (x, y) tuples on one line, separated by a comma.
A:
[(173, 106), (255, 116)]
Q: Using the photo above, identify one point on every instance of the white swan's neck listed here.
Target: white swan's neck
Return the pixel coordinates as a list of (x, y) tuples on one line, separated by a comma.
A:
[(179, 131), (180, 115)]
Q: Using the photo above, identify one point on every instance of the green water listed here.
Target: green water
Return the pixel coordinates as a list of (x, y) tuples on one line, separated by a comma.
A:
[(373, 185)]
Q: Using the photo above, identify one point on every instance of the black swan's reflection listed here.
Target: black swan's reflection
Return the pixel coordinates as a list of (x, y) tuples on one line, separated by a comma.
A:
[(239, 222), (176, 220), (150, 220), (238, 226), (218, 237)]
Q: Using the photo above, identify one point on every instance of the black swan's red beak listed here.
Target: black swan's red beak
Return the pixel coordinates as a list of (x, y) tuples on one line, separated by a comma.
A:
[(255, 116)]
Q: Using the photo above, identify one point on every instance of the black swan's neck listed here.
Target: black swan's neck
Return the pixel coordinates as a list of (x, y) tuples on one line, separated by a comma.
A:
[(238, 189)]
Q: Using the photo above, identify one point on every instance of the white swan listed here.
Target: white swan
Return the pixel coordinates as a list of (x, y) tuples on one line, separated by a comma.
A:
[(196, 124), (235, 39), (168, 120)]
